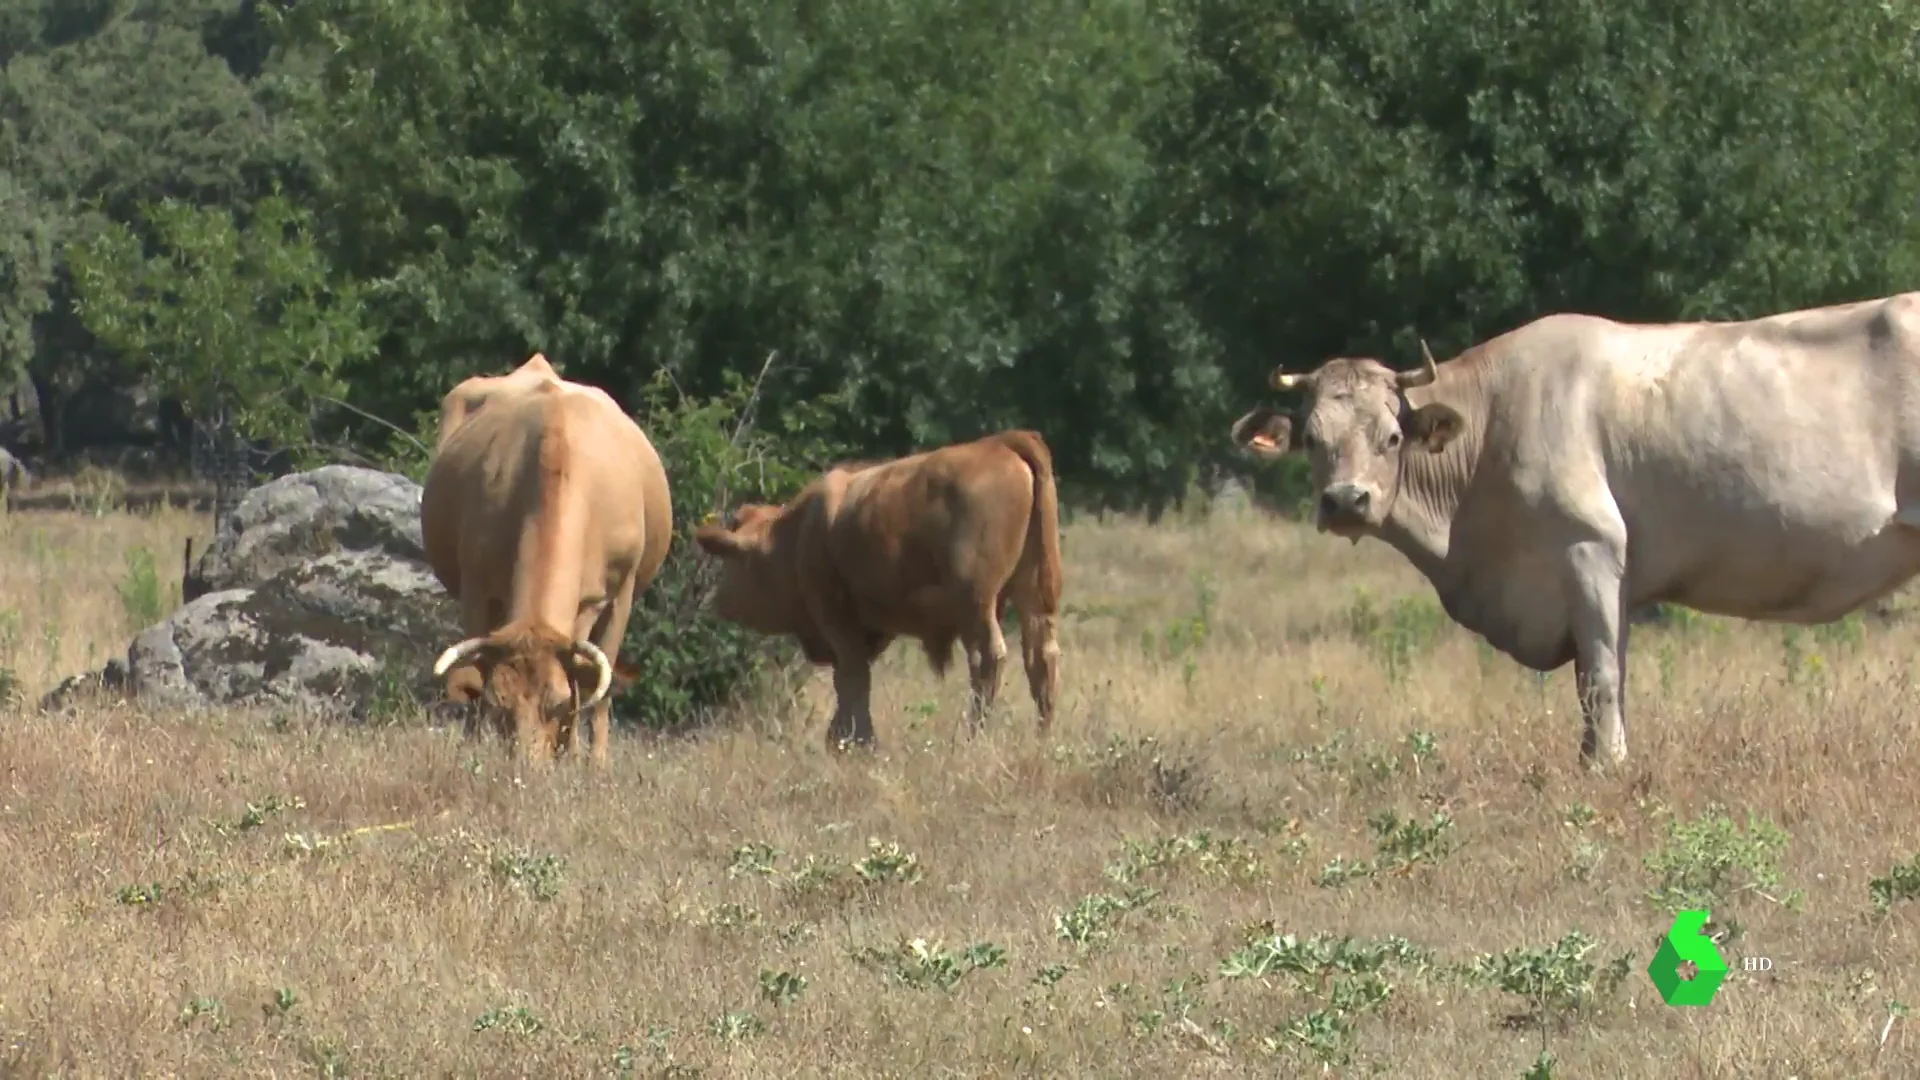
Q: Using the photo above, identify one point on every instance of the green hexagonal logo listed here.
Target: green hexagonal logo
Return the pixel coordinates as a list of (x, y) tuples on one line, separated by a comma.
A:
[(1685, 943)]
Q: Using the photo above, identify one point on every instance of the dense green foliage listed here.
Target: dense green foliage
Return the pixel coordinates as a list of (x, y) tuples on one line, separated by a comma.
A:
[(242, 324), (1104, 219), (102, 110)]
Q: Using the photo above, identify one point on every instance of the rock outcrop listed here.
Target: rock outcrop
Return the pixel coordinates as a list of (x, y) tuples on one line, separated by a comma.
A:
[(315, 596)]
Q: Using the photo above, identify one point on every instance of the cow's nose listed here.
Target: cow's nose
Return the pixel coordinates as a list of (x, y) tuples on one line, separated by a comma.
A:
[(1345, 499)]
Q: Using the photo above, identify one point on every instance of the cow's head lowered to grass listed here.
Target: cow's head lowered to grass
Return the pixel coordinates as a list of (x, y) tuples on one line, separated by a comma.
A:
[(527, 681), (1354, 424)]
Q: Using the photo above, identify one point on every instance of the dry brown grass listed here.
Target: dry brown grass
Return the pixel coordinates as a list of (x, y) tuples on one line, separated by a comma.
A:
[(151, 924), (62, 578)]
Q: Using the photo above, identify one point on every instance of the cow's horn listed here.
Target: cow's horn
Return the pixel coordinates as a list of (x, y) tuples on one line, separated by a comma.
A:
[(457, 653), (1280, 380), (602, 670), (1426, 373)]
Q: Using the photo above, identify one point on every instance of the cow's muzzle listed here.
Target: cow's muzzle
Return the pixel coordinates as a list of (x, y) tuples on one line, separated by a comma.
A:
[(1345, 506)]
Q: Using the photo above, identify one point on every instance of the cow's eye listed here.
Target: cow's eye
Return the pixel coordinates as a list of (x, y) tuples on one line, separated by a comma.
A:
[(1393, 440)]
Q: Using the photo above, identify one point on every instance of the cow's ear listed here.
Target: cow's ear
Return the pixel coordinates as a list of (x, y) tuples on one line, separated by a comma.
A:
[(1266, 433), (464, 684), (1434, 426), (717, 540)]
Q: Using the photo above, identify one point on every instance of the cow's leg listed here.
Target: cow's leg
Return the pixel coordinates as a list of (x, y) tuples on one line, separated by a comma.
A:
[(853, 649), (1600, 631), (1040, 649), (852, 723), (1039, 611), (849, 650), (986, 649), (608, 633)]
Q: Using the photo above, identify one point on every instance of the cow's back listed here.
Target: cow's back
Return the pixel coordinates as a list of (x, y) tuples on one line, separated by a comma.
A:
[(493, 467), (470, 396), (910, 539), (630, 495), (479, 484), (1747, 461)]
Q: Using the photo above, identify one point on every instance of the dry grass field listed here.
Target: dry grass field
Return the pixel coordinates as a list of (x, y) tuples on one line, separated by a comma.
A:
[(1291, 822)]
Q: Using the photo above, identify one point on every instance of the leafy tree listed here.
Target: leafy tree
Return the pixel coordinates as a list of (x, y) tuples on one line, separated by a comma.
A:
[(1102, 219), (244, 324), (1352, 176), (1361, 173), (26, 270), (102, 110), (943, 214)]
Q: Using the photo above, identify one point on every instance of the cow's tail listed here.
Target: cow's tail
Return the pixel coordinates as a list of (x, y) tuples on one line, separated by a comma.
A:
[(1042, 554), (1039, 598)]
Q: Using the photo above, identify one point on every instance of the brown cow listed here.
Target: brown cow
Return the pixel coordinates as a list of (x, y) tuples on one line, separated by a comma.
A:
[(933, 546), (544, 513)]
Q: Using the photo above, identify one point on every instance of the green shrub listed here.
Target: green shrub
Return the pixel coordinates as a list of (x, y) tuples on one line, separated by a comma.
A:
[(687, 663)]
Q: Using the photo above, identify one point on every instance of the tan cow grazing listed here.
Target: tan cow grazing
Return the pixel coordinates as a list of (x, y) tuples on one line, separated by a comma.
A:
[(932, 546), (1555, 477), (544, 513)]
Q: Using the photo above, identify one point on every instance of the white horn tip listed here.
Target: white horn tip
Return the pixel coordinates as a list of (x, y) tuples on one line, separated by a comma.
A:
[(603, 670), (455, 653)]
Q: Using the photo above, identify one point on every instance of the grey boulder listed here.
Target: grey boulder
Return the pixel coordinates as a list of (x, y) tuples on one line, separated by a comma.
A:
[(316, 599), (287, 521)]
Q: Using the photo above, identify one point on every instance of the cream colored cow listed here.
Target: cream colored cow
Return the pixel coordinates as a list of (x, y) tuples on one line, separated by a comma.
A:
[(1553, 478), (544, 513)]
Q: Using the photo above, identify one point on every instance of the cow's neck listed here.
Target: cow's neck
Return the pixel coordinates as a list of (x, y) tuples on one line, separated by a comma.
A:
[(1432, 485)]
